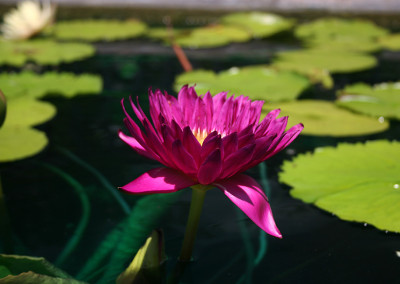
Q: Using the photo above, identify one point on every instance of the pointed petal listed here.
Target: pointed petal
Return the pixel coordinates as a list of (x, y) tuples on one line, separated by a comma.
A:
[(247, 194), (183, 159), (191, 144), (238, 160), (135, 145), (211, 168), (159, 180)]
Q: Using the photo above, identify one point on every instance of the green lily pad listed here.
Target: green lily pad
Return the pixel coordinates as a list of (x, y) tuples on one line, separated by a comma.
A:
[(307, 61), (353, 44), (31, 85), (322, 118), (256, 82), (28, 112), (381, 100), (259, 24), (99, 30), (390, 42), (339, 29), (3, 108), (20, 142), (47, 52), (26, 270), (356, 182), (213, 36), (162, 33)]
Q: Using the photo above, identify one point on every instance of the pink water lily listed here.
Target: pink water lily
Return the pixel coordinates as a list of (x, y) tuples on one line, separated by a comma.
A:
[(208, 140)]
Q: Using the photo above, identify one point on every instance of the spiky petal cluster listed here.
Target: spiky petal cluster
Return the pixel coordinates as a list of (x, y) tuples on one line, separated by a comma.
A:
[(27, 20), (208, 140)]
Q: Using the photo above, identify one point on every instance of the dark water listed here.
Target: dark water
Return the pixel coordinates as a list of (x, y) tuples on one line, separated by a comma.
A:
[(316, 246)]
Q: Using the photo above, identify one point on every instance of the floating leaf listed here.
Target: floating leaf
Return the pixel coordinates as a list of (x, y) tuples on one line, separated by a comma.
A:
[(31, 85), (49, 52), (213, 36), (3, 108), (322, 118), (98, 30), (259, 24), (381, 100), (335, 28), (344, 44), (20, 142), (356, 182), (256, 82), (17, 264), (312, 60), (28, 112), (162, 33), (146, 266), (391, 42)]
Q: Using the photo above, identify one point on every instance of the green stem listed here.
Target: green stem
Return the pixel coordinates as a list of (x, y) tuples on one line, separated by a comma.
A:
[(198, 194), (107, 185), (77, 235)]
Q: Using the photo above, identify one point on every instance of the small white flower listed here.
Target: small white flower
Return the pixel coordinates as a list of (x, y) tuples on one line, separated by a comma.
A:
[(27, 20)]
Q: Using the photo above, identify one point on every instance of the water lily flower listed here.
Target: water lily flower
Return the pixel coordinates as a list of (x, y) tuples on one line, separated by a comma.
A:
[(208, 140), (27, 20)]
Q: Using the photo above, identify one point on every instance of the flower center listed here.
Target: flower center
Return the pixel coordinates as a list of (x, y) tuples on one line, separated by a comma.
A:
[(200, 135)]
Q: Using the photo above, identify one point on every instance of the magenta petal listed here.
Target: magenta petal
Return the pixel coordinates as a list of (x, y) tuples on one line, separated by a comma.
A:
[(247, 194), (182, 158), (159, 180), (135, 145), (211, 168)]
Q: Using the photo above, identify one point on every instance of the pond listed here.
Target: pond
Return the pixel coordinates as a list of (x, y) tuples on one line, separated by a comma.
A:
[(62, 203)]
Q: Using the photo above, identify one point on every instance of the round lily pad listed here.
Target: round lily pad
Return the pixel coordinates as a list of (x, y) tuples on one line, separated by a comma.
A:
[(29, 84), (322, 118), (307, 61), (259, 24), (19, 142), (46, 52), (344, 44), (335, 28), (356, 182), (28, 112), (382, 100), (390, 42), (256, 82), (213, 36), (99, 30)]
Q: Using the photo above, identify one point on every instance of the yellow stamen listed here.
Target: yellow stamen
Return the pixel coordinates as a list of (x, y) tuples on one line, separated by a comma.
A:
[(200, 135)]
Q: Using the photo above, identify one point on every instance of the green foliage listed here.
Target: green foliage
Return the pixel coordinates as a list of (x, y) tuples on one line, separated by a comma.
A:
[(258, 24), (26, 270), (309, 60), (381, 100), (119, 247), (213, 36), (332, 29), (24, 110), (356, 182), (31, 85), (46, 52), (146, 267), (256, 82), (322, 118), (99, 30), (390, 42)]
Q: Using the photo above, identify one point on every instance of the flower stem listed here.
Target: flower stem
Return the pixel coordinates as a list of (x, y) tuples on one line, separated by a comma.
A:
[(198, 194)]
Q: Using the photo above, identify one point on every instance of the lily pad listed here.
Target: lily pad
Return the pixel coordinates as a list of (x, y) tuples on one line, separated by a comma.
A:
[(356, 182), (382, 100), (259, 24), (46, 52), (335, 28), (28, 112), (20, 142), (256, 82), (213, 36), (99, 30), (26, 269), (390, 42), (322, 118), (162, 33), (307, 61), (344, 44), (31, 85)]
